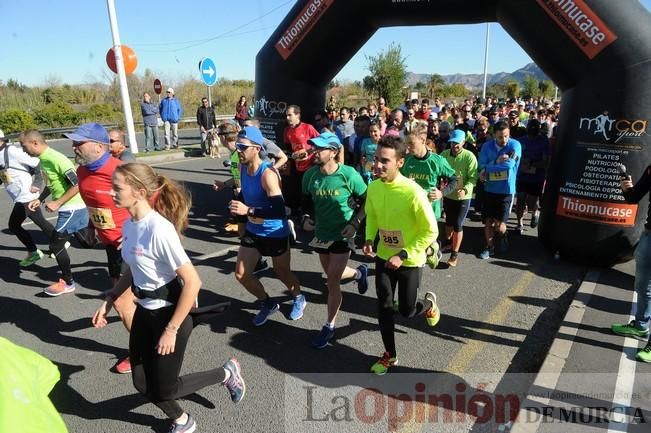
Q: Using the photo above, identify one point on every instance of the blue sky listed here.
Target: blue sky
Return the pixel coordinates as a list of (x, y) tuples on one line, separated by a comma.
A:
[(68, 39)]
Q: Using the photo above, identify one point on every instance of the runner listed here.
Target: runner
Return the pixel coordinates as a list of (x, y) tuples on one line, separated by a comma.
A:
[(499, 160), (267, 233), (457, 202), (23, 180), (328, 189), (157, 262), (72, 213), (95, 171), (399, 211)]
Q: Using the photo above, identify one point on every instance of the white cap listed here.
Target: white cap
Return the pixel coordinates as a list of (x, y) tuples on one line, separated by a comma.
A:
[(170, 90)]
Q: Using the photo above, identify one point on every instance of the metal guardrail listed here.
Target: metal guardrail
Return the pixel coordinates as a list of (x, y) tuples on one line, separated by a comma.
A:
[(64, 130)]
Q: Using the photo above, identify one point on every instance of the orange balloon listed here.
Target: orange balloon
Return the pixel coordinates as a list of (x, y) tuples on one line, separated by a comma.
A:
[(129, 58)]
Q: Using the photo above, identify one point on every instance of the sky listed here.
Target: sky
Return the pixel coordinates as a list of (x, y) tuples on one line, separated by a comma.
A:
[(67, 40)]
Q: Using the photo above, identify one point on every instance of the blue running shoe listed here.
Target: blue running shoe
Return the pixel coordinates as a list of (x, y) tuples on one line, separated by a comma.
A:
[(486, 253), (235, 383), (298, 307), (189, 427), (324, 337), (267, 308), (362, 283)]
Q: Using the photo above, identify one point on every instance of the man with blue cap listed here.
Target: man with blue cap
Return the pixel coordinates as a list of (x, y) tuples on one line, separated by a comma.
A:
[(333, 207), (267, 232)]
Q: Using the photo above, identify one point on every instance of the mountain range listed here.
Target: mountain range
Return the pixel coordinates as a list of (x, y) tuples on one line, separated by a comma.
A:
[(475, 81)]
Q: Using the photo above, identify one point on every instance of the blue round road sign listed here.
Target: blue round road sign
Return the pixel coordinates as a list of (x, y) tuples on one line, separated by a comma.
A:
[(208, 71)]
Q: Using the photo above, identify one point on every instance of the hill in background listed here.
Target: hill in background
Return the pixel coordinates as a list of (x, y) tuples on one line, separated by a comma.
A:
[(475, 81)]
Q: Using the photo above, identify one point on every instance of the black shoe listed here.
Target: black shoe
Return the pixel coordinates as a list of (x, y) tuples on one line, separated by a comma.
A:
[(262, 265), (534, 220)]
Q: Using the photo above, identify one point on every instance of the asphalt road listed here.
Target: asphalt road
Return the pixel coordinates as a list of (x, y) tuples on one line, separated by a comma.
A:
[(498, 318)]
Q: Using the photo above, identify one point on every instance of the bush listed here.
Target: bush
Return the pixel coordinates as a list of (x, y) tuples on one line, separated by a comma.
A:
[(14, 120), (57, 115), (101, 113)]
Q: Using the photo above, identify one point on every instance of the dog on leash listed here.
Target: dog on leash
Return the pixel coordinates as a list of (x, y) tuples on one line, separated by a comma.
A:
[(213, 140)]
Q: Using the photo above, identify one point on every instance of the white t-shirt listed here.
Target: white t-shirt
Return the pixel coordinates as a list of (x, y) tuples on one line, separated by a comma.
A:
[(152, 249), (21, 179)]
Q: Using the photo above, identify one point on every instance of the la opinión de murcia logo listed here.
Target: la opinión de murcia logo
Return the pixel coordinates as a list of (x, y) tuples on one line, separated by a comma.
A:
[(269, 108), (613, 129)]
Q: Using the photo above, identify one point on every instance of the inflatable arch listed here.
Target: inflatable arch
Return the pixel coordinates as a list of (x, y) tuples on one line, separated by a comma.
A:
[(597, 51)]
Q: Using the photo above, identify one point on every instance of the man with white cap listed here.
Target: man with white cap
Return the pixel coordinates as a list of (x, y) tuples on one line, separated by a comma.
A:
[(170, 113), (22, 178)]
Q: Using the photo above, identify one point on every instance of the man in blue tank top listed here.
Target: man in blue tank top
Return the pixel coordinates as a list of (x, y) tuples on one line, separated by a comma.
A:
[(267, 232)]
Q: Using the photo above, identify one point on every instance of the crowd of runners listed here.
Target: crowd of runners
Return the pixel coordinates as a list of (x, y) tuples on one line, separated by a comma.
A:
[(370, 178)]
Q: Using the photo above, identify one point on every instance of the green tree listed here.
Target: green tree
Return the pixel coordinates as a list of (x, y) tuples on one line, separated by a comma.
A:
[(512, 89), (497, 90), (15, 120), (436, 85), (56, 115), (545, 87), (388, 75), (530, 87)]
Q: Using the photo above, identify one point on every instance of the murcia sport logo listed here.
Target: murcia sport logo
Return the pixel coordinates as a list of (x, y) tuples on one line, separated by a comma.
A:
[(613, 130)]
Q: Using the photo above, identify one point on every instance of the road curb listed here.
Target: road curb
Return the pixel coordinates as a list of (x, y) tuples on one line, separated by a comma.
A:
[(166, 156), (551, 369)]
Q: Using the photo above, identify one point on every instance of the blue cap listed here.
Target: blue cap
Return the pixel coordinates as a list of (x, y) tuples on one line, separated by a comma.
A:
[(457, 136), (90, 132), (326, 140), (252, 134)]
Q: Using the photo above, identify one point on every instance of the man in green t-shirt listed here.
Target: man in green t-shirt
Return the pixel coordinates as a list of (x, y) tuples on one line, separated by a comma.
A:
[(63, 187), (333, 196)]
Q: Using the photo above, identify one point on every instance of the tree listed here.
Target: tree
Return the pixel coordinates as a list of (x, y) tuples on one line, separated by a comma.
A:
[(15, 120), (388, 75), (497, 90), (512, 89), (545, 87), (436, 85), (530, 87)]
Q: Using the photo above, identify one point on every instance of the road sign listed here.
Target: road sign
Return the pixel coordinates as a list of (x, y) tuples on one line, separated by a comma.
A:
[(158, 86), (208, 71)]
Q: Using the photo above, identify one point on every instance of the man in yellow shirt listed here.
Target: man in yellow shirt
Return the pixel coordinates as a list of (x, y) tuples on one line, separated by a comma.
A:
[(399, 212)]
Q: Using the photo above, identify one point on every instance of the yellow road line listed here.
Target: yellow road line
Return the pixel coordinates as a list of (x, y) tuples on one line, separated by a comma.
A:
[(472, 348)]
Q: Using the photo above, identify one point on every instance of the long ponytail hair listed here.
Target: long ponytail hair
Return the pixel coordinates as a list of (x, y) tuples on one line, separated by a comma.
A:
[(168, 197)]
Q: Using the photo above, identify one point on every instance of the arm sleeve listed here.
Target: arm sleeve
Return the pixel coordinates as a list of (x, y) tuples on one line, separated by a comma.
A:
[(428, 230), (635, 194)]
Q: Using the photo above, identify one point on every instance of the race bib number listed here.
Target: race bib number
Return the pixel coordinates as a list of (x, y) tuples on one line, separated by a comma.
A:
[(392, 238), (101, 218), (256, 220), (5, 177), (498, 175), (318, 243)]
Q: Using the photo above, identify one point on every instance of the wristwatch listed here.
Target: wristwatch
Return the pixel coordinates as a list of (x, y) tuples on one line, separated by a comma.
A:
[(403, 255)]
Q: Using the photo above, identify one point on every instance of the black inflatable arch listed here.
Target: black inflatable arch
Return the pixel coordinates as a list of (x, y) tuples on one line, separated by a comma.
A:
[(597, 51)]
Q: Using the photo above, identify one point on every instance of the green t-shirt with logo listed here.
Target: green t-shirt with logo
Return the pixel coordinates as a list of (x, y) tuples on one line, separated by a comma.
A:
[(55, 165), (331, 194), (235, 168), (465, 166), (426, 173)]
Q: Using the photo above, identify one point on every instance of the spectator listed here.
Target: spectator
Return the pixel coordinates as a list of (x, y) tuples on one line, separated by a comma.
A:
[(241, 111), (150, 119), (118, 148), (170, 113), (206, 121)]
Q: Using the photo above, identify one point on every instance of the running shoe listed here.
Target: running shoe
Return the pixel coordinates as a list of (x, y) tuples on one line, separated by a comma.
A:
[(230, 228), (362, 282), (189, 426), (432, 314), (32, 258), (235, 383), (324, 337), (534, 220), (267, 308), (519, 229), (434, 255), (453, 260), (66, 246), (629, 330), (644, 355), (59, 288), (262, 265), (382, 365), (298, 307), (292, 231), (123, 366), (486, 253)]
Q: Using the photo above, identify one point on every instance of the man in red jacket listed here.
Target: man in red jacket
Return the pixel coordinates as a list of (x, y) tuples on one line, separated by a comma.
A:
[(95, 173)]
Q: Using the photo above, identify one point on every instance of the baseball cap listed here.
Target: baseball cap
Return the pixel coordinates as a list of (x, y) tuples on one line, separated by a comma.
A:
[(513, 113), (521, 103), (433, 115), (326, 140), (252, 134), (170, 90), (457, 136), (89, 132)]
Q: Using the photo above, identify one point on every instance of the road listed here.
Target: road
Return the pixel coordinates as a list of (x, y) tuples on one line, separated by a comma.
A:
[(498, 320)]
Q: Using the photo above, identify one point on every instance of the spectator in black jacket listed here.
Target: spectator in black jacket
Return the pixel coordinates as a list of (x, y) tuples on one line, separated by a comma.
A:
[(206, 121)]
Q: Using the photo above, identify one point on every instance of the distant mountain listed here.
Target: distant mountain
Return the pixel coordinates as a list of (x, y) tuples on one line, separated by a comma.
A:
[(475, 81)]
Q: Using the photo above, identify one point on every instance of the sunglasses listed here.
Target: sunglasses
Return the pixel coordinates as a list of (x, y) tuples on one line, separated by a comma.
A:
[(242, 147), (113, 140)]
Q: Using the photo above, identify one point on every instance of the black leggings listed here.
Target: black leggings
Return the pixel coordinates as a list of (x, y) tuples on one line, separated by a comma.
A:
[(157, 376), (408, 281), (18, 216)]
